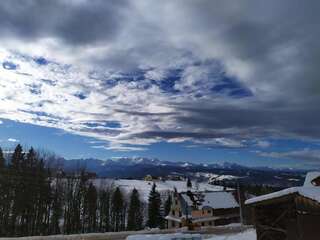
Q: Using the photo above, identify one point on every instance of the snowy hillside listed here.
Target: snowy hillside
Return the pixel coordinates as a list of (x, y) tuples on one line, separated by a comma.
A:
[(163, 187)]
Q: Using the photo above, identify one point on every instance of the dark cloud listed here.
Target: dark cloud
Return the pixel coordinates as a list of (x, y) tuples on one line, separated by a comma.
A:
[(170, 135), (249, 119), (74, 22)]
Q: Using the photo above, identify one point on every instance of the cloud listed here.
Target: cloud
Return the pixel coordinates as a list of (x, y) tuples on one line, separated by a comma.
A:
[(120, 148), (133, 73), (12, 140), (263, 144), (311, 156), (66, 21)]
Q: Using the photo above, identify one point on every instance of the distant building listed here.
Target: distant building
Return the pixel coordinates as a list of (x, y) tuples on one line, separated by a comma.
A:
[(148, 178), (290, 214), (205, 208)]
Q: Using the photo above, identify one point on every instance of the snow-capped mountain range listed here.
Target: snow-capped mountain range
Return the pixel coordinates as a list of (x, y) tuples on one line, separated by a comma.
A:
[(138, 167)]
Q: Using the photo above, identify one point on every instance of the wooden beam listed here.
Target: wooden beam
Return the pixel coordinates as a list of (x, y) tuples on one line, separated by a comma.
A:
[(276, 229)]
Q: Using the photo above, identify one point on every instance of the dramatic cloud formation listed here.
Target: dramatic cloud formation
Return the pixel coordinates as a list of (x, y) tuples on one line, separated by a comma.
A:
[(133, 73)]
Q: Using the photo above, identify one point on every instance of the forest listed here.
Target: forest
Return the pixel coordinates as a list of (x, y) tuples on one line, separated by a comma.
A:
[(39, 199)]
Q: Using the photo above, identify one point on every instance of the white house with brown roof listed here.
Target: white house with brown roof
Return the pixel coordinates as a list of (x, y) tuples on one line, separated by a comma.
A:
[(203, 209)]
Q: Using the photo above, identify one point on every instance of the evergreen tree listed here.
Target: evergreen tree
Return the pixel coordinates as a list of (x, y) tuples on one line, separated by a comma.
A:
[(155, 218), (2, 160), (17, 158), (29, 173), (17, 194), (189, 183), (104, 210), (4, 196), (91, 205), (135, 212), (117, 211)]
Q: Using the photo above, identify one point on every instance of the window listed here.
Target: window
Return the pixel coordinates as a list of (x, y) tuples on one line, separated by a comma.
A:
[(210, 223), (180, 214), (173, 224), (209, 211), (202, 224), (173, 212)]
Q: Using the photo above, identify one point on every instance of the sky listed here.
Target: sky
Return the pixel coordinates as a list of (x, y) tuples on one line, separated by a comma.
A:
[(179, 80)]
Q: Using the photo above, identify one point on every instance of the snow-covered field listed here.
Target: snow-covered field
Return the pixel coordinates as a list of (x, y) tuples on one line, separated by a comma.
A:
[(175, 236), (246, 235), (215, 177), (163, 187)]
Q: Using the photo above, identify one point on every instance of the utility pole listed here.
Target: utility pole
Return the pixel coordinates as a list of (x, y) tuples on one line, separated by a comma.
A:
[(240, 203)]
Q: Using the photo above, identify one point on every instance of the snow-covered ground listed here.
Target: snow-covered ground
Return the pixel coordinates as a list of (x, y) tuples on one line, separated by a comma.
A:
[(163, 187), (246, 235), (215, 177), (174, 236)]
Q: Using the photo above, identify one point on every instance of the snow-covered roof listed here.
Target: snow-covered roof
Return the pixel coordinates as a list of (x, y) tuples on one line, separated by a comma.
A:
[(308, 192), (169, 217), (310, 177), (215, 200)]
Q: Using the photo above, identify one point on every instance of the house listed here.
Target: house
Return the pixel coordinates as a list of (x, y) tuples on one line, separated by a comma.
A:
[(289, 214), (205, 208)]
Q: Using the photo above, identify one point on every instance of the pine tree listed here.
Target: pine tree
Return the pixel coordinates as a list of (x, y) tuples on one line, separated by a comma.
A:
[(29, 173), (117, 211), (2, 160), (189, 183), (17, 184), (17, 157), (91, 204), (4, 196), (135, 214), (104, 210), (155, 218)]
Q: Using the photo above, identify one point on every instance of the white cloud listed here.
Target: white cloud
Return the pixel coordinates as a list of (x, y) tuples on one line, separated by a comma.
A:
[(12, 140)]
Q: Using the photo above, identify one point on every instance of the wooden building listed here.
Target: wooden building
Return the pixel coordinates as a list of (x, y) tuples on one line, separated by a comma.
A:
[(290, 214), (198, 209)]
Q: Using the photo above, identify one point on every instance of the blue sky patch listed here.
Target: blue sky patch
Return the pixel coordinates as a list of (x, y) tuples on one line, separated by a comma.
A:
[(9, 65), (167, 84), (108, 124), (232, 88), (35, 88), (80, 95), (41, 61)]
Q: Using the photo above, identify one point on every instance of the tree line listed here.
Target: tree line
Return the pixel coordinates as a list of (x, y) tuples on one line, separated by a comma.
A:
[(36, 199)]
